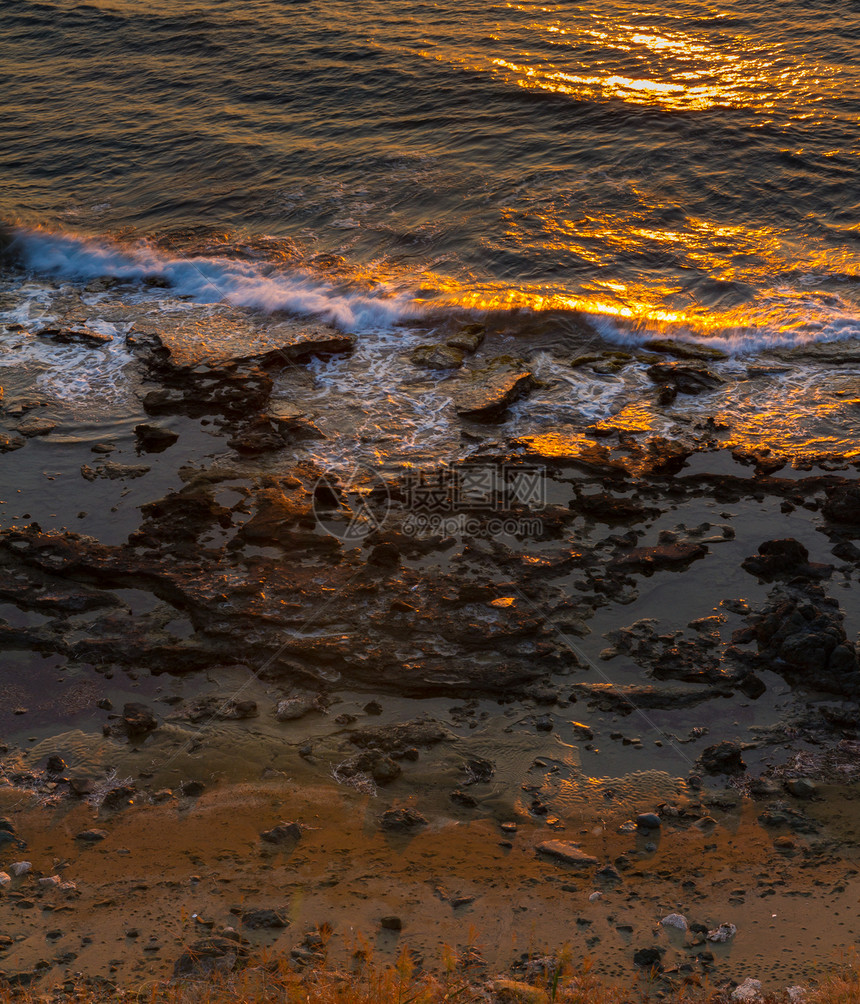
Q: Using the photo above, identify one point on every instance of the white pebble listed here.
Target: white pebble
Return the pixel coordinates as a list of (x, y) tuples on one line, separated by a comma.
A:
[(748, 992), (722, 933), (51, 880), (676, 920), (20, 868), (595, 896)]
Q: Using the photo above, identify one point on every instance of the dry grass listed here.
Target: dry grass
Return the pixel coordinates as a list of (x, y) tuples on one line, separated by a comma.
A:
[(275, 981)]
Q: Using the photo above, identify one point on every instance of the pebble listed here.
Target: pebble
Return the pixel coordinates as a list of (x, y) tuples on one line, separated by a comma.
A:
[(801, 787), (391, 923), (595, 896), (677, 920), (282, 833), (569, 853), (19, 868), (50, 881), (748, 991), (648, 821), (723, 933), (5, 879)]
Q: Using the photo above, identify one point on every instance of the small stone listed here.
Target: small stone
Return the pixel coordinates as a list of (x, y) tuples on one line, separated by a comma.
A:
[(6, 825), (283, 833), (402, 820), (437, 357), (801, 787), (5, 879), (748, 992), (677, 920), (50, 881), (723, 933), (705, 823), (391, 923), (648, 821), (19, 868), (568, 852), (373, 708), (509, 827), (55, 765), (595, 896), (582, 731), (722, 758), (648, 958), (91, 836)]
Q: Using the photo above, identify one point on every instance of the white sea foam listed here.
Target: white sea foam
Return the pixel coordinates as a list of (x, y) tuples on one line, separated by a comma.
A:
[(213, 280)]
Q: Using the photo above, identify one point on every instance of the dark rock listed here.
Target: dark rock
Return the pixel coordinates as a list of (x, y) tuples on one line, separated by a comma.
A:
[(91, 836), (786, 557), (685, 379), (722, 758), (208, 956), (649, 958), (283, 833), (801, 787), (55, 765), (648, 559), (154, 438), (265, 919), (81, 786), (138, 719), (373, 708), (807, 644), (843, 504), (648, 821), (402, 820), (393, 737), (391, 923), (463, 798)]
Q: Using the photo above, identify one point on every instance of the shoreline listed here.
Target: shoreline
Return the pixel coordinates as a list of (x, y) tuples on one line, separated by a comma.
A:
[(214, 628)]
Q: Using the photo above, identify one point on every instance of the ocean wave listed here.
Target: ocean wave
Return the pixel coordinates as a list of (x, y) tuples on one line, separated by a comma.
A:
[(240, 283)]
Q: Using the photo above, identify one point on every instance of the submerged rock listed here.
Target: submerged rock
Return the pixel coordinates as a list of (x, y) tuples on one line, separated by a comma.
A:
[(154, 438), (402, 820), (468, 338)]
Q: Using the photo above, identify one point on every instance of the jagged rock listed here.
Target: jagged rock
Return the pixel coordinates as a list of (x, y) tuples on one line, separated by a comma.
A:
[(843, 504), (402, 820), (468, 338), (722, 758), (138, 719), (684, 350), (684, 379), (437, 357), (68, 336), (784, 557), (489, 392), (113, 471), (35, 425), (395, 737)]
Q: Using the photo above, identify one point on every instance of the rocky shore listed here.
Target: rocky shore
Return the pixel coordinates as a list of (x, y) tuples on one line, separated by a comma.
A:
[(258, 700)]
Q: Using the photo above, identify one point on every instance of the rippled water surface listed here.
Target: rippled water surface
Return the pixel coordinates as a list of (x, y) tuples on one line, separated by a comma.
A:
[(688, 166)]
